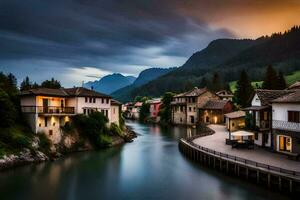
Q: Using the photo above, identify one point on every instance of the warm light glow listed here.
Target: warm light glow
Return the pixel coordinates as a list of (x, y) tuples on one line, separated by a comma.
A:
[(215, 119), (67, 119)]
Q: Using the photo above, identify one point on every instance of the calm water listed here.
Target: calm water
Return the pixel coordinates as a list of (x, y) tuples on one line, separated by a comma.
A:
[(149, 168)]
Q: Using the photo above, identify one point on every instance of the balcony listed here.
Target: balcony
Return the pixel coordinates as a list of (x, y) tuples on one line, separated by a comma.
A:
[(48, 110), (263, 124), (284, 125)]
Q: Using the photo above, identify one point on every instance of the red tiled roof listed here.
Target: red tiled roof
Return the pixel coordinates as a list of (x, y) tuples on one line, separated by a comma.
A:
[(45, 92), (215, 104)]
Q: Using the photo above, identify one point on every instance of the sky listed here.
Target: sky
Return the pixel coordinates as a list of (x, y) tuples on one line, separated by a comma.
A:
[(83, 40)]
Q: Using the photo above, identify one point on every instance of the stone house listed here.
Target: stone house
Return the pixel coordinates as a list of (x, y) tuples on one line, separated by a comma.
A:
[(235, 120), (185, 106), (213, 111)]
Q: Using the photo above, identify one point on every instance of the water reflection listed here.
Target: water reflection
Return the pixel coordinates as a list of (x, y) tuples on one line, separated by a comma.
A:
[(149, 168)]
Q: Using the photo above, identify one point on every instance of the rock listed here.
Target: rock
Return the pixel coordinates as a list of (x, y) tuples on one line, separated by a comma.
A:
[(35, 143)]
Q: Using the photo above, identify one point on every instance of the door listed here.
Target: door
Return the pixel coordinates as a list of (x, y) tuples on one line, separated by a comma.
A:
[(285, 143), (45, 105), (192, 119)]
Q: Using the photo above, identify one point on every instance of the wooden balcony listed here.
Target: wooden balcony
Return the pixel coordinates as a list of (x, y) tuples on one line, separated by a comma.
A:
[(48, 110), (284, 125)]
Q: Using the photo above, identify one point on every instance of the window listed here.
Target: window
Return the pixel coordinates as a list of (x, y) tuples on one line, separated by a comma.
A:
[(107, 101), (190, 109), (86, 99), (91, 100), (294, 116), (102, 100), (84, 111), (46, 121), (50, 132), (266, 138), (94, 100), (194, 109), (265, 115)]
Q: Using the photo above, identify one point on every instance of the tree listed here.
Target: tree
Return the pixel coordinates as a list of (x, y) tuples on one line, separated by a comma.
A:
[(165, 112), (270, 80), (26, 84), (203, 83), (216, 82), (54, 84), (144, 112), (8, 113), (244, 90), (281, 84)]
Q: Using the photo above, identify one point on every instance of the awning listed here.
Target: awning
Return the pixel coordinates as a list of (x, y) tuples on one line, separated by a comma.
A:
[(242, 133)]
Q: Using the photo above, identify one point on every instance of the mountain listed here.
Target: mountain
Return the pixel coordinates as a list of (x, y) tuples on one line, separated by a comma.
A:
[(110, 83), (228, 57), (124, 94)]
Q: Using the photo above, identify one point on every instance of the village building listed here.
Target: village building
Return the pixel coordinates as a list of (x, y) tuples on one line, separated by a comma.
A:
[(135, 111), (286, 124), (225, 95), (185, 106), (235, 120), (213, 111), (115, 111), (261, 112), (47, 110), (155, 108)]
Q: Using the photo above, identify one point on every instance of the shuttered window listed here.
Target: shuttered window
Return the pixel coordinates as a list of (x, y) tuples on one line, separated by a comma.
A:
[(294, 116)]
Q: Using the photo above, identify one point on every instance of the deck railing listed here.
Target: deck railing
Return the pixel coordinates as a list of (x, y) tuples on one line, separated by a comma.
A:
[(284, 125), (243, 160), (48, 109)]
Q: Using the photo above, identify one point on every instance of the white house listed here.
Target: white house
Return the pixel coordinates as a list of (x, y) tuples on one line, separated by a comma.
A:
[(47, 110), (286, 123), (261, 111)]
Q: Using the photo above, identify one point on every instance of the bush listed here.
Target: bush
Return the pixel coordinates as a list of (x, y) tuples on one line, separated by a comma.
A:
[(45, 143), (104, 140), (93, 127), (115, 130), (14, 138)]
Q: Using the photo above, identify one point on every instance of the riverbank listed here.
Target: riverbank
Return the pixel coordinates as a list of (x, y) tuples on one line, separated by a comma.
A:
[(33, 155), (268, 169)]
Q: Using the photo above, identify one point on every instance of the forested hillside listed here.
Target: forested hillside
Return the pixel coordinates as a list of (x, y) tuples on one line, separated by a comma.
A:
[(228, 57)]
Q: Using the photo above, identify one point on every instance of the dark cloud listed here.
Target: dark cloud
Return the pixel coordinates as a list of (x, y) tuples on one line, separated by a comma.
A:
[(115, 35)]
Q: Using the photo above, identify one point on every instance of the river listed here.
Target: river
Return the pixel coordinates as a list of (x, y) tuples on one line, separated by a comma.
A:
[(151, 167)]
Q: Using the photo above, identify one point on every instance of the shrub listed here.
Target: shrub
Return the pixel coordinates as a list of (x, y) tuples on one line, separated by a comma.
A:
[(104, 140), (115, 130), (14, 138), (45, 143), (93, 127)]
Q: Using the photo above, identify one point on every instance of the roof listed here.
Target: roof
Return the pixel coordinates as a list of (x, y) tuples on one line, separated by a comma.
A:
[(115, 102), (236, 114), (215, 104), (192, 93), (84, 92), (64, 92), (289, 98), (45, 92), (224, 93), (296, 85), (155, 101), (138, 104), (266, 96), (256, 108)]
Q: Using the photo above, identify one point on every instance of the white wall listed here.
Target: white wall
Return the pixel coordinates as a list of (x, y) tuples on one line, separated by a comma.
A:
[(256, 101), (115, 114), (279, 111)]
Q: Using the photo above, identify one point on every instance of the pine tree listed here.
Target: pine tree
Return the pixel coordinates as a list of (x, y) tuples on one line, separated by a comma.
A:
[(244, 90), (281, 84), (26, 84), (203, 83), (270, 80), (55, 84), (216, 82)]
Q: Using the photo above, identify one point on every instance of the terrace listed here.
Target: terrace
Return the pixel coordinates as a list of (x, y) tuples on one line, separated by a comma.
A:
[(48, 110)]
